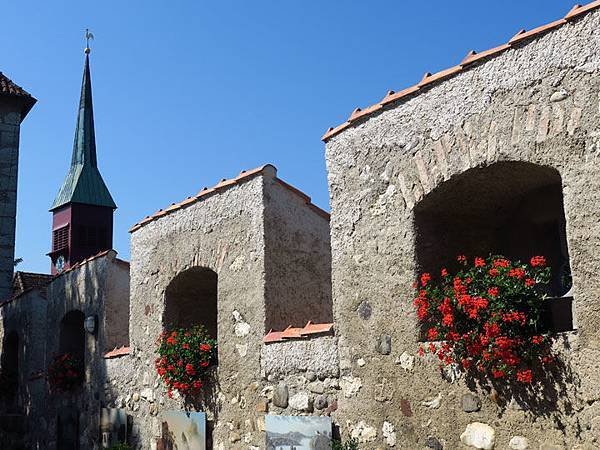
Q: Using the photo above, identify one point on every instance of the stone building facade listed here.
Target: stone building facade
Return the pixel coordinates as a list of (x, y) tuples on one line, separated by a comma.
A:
[(15, 104), (268, 248), (415, 179), (48, 321)]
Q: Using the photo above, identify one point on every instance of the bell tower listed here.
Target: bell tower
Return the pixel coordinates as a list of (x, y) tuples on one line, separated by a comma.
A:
[(82, 212)]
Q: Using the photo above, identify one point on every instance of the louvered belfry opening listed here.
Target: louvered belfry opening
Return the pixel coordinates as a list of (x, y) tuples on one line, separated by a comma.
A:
[(60, 238)]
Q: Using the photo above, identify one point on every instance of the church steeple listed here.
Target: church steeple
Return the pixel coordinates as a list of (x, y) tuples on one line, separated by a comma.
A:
[(83, 183), (82, 222)]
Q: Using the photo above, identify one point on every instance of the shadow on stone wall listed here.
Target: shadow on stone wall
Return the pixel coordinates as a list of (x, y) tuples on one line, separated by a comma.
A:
[(551, 396)]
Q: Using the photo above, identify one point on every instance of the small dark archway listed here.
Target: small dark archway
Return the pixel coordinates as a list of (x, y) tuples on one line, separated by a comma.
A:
[(9, 366), (72, 335), (191, 299), (513, 209), (509, 208)]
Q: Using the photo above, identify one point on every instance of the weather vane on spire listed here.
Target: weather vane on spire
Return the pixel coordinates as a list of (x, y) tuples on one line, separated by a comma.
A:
[(88, 36)]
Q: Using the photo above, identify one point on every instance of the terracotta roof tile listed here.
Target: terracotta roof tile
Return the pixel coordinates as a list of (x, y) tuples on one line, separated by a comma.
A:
[(298, 333), (9, 88), (522, 34), (468, 60), (115, 353), (273, 336), (578, 10), (317, 328), (25, 281), (224, 184), (85, 261), (292, 333)]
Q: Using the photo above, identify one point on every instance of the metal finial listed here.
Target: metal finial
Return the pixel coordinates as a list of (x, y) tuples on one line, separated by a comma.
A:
[(88, 36)]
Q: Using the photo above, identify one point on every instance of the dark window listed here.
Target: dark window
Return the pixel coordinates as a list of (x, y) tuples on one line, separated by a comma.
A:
[(191, 299), (81, 235), (60, 238), (513, 209), (72, 336), (9, 366), (92, 237), (102, 238)]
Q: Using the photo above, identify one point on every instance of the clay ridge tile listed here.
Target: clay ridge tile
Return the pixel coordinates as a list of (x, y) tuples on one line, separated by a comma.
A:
[(471, 58), (224, 183), (291, 333), (84, 262), (115, 353), (578, 10), (521, 35)]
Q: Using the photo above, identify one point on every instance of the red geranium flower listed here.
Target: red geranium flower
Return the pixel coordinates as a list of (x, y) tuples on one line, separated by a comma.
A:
[(486, 319), (538, 261), (185, 354)]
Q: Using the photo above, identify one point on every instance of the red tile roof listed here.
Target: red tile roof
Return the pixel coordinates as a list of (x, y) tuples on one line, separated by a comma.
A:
[(298, 333), (115, 353), (38, 280), (25, 281), (85, 261), (470, 59), (9, 88), (244, 175)]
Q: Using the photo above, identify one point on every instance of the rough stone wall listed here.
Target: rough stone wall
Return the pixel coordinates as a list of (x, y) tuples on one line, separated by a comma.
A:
[(300, 377), (539, 103), (26, 315), (116, 311), (297, 261), (87, 288), (10, 123), (225, 233)]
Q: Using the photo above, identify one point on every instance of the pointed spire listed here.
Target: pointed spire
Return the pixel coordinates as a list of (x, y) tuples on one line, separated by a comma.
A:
[(84, 145), (83, 183)]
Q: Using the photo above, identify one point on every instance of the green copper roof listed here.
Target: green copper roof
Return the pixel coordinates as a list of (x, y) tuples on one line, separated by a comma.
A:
[(83, 183)]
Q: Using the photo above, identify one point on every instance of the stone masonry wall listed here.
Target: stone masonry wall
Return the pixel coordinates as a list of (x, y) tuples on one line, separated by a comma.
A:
[(26, 315), (538, 103), (298, 261), (87, 288), (270, 251), (225, 233), (116, 312), (10, 123)]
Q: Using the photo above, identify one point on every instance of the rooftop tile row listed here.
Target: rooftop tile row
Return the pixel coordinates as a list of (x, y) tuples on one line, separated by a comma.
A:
[(291, 333), (471, 58), (222, 185)]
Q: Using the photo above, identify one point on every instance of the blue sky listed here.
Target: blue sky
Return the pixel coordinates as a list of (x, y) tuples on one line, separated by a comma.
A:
[(188, 92)]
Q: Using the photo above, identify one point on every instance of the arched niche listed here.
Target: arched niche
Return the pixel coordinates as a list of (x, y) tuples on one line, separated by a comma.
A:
[(191, 299), (511, 208)]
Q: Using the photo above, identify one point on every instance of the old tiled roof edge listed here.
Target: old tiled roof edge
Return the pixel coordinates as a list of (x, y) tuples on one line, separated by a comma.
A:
[(471, 58), (54, 277), (298, 333), (117, 352), (10, 89), (84, 262), (244, 175)]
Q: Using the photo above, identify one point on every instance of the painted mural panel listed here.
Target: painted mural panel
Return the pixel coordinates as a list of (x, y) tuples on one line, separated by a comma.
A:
[(183, 431), (298, 433)]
